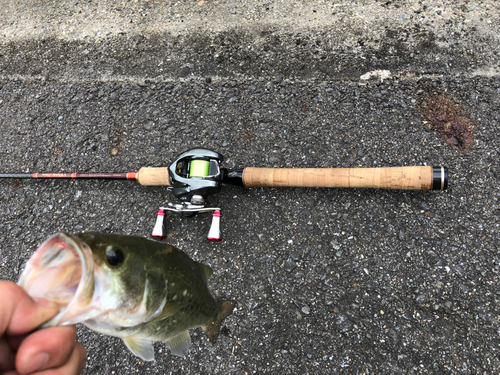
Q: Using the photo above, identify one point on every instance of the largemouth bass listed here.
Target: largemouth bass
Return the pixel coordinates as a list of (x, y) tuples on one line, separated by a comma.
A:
[(130, 287)]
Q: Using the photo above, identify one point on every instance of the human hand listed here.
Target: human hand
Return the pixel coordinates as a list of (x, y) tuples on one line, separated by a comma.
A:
[(47, 351)]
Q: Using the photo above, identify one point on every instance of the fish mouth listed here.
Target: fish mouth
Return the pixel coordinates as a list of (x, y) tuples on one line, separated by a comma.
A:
[(61, 270)]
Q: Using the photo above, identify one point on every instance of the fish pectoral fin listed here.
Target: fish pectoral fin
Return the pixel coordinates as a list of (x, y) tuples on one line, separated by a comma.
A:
[(207, 271), (212, 329), (169, 309), (179, 345), (140, 347)]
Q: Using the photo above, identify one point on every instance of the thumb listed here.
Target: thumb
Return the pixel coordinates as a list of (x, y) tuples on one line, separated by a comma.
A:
[(20, 313)]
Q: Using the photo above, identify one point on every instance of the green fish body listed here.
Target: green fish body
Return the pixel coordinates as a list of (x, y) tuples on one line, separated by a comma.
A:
[(130, 287)]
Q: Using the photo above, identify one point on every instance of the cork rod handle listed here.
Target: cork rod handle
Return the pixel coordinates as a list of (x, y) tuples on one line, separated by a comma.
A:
[(408, 178), (153, 176)]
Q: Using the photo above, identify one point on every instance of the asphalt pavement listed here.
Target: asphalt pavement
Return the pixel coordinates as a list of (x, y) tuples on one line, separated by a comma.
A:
[(359, 281)]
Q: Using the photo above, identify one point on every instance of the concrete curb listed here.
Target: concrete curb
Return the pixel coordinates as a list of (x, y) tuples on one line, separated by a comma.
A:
[(235, 40)]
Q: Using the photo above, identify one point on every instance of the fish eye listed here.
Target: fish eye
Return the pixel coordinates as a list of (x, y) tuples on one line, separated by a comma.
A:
[(114, 256)]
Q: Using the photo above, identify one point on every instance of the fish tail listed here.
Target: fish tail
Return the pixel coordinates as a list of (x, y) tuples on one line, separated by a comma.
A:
[(226, 307)]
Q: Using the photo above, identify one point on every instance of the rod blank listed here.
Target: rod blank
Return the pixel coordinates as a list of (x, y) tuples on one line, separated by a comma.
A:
[(73, 176)]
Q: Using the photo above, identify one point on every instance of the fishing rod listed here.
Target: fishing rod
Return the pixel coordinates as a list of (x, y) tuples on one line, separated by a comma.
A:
[(197, 173)]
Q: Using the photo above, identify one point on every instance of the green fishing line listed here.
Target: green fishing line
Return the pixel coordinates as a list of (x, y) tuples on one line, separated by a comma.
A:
[(199, 168)]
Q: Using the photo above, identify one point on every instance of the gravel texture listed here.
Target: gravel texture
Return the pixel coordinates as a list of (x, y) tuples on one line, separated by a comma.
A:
[(326, 280)]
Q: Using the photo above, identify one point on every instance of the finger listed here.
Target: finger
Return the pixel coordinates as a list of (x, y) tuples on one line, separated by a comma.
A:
[(15, 341), (20, 313), (45, 349), (7, 356), (76, 363), (74, 366)]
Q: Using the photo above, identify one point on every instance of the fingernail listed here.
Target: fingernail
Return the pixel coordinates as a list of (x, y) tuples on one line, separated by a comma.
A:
[(45, 302), (36, 363)]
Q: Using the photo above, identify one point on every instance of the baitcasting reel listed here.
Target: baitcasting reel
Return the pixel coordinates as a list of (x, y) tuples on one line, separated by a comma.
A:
[(194, 175)]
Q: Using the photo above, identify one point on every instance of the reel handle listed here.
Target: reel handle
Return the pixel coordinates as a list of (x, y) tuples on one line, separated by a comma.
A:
[(408, 178)]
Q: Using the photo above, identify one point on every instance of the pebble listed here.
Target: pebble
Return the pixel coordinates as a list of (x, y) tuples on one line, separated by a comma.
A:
[(295, 255), (290, 265)]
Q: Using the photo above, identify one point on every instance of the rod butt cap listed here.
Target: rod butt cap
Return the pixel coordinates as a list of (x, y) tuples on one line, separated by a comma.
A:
[(439, 178)]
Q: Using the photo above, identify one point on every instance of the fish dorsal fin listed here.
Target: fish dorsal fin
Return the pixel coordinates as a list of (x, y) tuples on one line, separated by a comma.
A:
[(169, 309), (140, 347), (206, 270), (179, 345)]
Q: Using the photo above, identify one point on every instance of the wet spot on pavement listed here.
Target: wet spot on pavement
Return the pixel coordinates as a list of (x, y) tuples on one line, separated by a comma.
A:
[(444, 116)]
